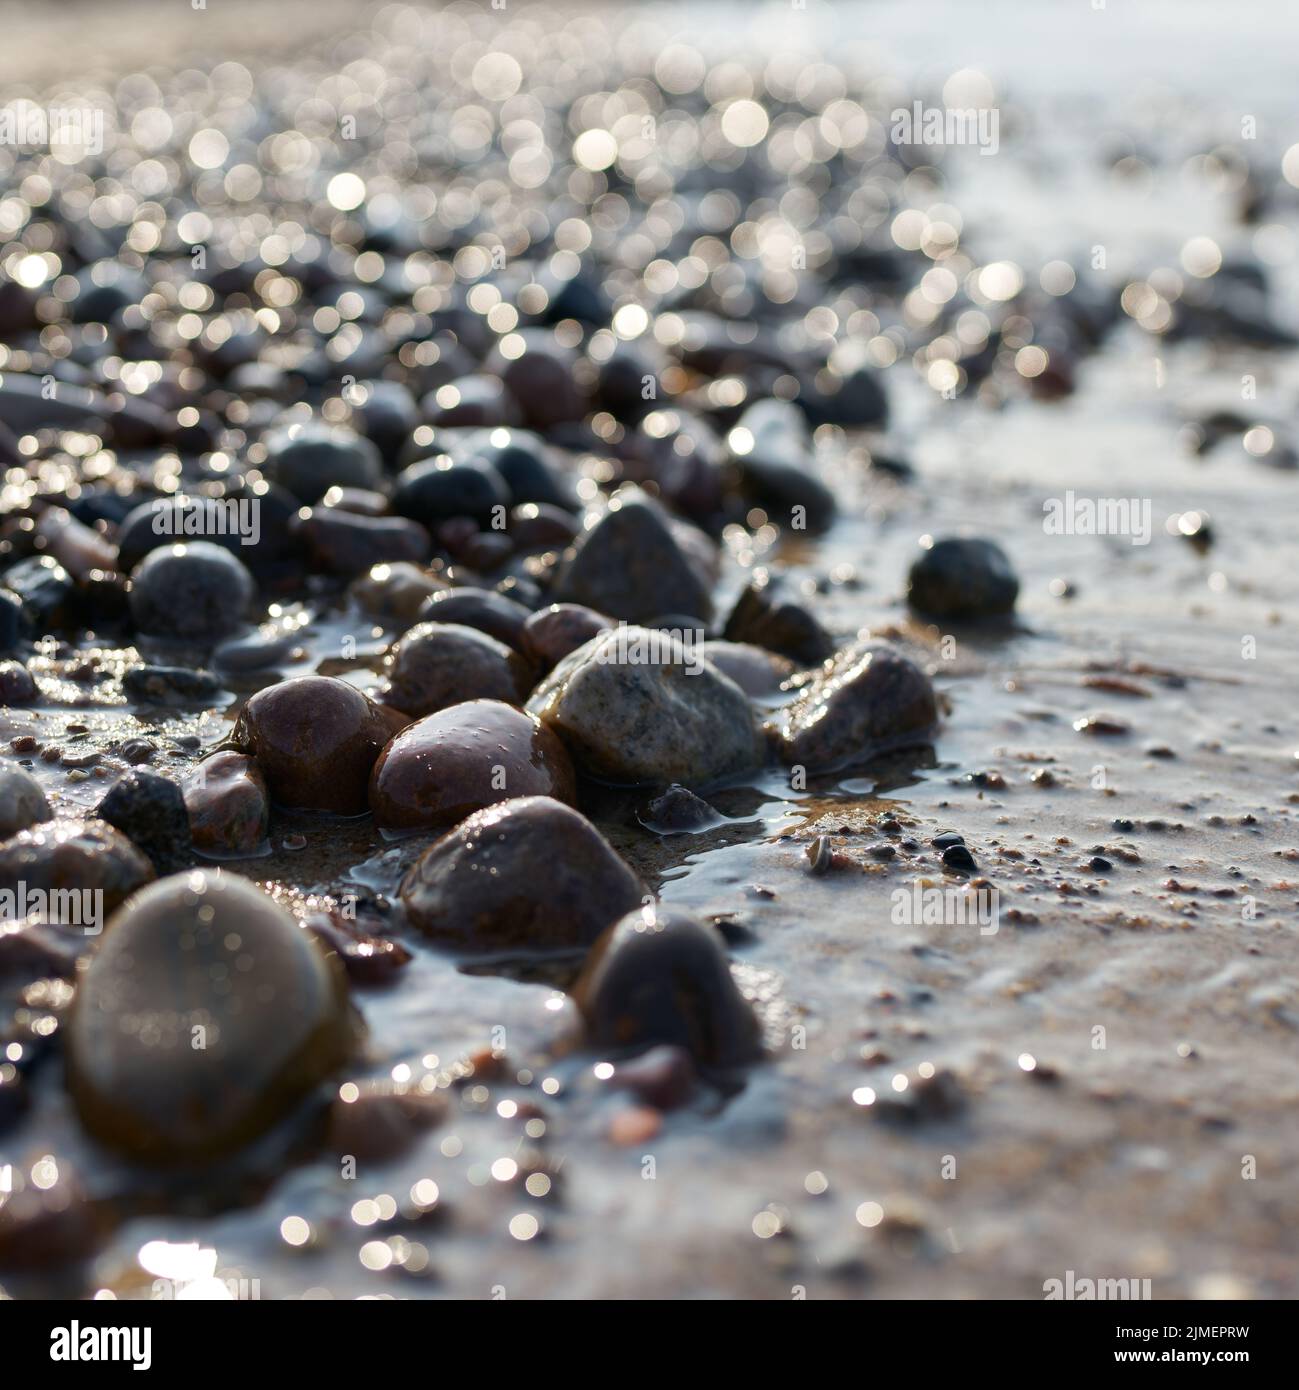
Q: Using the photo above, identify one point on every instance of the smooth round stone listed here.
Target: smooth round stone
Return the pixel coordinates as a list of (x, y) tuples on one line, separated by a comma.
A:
[(856, 402), (541, 379), (754, 669), (537, 526), (867, 700), (395, 592), (315, 739), (474, 400), (387, 416), (530, 874), (435, 665), (519, 457), (11, 614), (171, 520), (484, 609), (357, 501), (437, 489), (630, 565), (46, 591), (168, 685), (77, 857), (551, 633), (636, 706), (22, 802), (790, 494), (255, 651), (17, 687), (963, 578), (150, 811), (309, 459), (452, 763), (341, 542), (660, 977), (764, 617), (206, 1015), (191, 592), (229, 806)]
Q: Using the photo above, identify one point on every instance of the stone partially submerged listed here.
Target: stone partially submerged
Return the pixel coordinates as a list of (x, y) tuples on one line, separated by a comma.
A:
[(529, 874)]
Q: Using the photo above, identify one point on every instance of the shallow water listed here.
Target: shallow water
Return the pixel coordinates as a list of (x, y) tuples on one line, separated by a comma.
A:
[(1116, 1152)]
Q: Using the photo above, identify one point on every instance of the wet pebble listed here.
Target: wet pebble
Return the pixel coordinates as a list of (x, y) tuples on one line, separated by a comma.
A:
[(452, 763), (193, 591), (438, 489), (484, 609), (676, 810), (47, 1220), (79, 856), (439, 664), (636, 706), (867, 700), (150, 811), (395, 592), (530, 874), (205, 1015), (309, 459), (551, 633), (258, 650), (962, 578), (22, 802), (663, 1077), (16, 684), (754, 669), (346, 544), (375, 1121), (765, 616), (228, 805), (315, 739), (169, 685), (630, 565), (661, 977)]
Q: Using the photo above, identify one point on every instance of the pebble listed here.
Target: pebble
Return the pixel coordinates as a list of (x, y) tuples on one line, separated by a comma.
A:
[(963, 578), (168, 685), (203, 1018), (376, 1121), (629, 564), (308, 459), (438, 489), (50, 1223), (536, 527), (150, 811), (484, 609), (439, 664), (663, 1077), (958, 857), (192, 591), (22, 802), (258, 650), (315, 739), (677, 810), (16, 684), (47, 593), (228, 804), (77, 856), (550, 634), (867, 700), (347, 544), (452, 763), (660, 977), (636, 707), (764, 617), (395, 592), (754, 669), (529, 874)]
